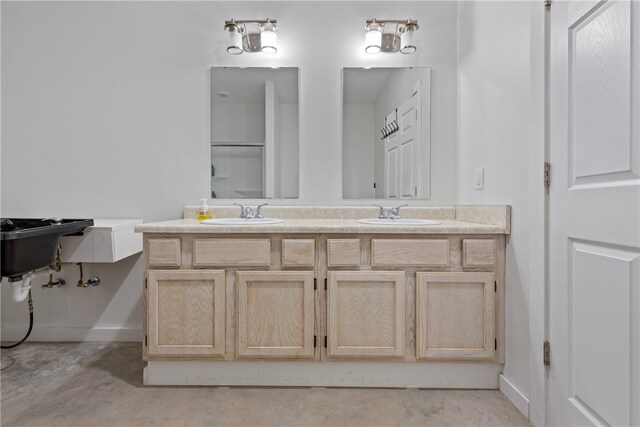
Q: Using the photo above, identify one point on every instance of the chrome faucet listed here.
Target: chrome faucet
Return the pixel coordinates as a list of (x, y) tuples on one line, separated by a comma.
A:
[(248, 213), (392, 213)]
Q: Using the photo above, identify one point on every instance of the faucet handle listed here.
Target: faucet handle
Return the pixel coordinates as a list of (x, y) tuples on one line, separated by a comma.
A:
[(381, 213), (243, 212), (259, 210)]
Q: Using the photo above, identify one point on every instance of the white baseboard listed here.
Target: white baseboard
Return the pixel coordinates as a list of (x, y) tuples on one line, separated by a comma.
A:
[(55, 333), (330, 374), (516, 397)]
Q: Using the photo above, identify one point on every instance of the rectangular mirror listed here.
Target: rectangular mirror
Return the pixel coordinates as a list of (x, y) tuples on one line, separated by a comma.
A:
[(386, 133), (254, 133)]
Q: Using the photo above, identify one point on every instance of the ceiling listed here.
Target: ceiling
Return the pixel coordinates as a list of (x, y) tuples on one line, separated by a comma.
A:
[(246, 85), (362, 86)]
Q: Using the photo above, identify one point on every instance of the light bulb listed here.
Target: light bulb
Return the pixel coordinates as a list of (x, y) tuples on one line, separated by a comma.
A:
[(269, 41), (235, 43), (407, 41), (373, 41)]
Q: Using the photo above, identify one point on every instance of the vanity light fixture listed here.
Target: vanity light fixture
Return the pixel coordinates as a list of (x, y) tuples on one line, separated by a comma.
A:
[(251, 35), (402, 38)]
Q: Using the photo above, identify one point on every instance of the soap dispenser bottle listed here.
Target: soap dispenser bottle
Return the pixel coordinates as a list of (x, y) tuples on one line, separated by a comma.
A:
[(203, 212)]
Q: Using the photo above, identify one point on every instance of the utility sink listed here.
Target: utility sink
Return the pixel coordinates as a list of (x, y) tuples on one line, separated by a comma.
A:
[(30, 244), (400, 221), (242, 221)]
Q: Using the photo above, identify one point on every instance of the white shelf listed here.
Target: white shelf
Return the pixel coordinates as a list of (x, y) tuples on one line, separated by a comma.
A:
[(108, 240)]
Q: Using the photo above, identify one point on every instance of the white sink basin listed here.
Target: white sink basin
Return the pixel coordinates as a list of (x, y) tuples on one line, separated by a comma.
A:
[(242, 221), (402, 221)]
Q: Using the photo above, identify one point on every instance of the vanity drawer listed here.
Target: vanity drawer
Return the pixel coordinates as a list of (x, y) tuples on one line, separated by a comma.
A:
[(409, 252), (163, 252), (231, 252), (478, 252), (343, 252), (298, 252)]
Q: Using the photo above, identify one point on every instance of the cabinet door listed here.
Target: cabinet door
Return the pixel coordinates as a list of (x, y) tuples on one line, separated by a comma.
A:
[(455, 315), (365, 314), (275, 314), (186, 312)]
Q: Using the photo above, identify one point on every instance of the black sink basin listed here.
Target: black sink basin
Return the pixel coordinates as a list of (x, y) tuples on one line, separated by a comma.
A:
[(29, 244)]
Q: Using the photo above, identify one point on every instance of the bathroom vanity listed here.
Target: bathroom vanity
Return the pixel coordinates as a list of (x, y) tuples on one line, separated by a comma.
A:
[(323, 300)]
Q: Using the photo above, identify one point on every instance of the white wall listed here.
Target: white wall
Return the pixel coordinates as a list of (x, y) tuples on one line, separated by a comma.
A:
[(225, 126), (357, 154), (106, 114), (501, 128)]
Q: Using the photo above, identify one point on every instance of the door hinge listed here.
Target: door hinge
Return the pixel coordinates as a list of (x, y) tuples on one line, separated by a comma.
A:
[(315, 284), (325, 285), (547, 174), (495, 286), (495, 343), (146, 341), (547, 3), (315, 341), (325, 342), (546, 353), (146, 283)]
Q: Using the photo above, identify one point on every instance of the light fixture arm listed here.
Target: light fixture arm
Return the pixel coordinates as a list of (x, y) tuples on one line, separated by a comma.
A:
[(249, 21), (400, 22)]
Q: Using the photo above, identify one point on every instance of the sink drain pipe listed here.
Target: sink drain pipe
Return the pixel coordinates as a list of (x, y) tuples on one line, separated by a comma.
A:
[(22, 290), (30, 326)]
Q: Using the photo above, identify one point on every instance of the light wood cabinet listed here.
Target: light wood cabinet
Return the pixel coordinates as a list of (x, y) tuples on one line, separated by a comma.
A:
[(343, 252), (379, 297), (409, 252), (163, 252), (478, 252), (231, 252), (455, 315), (275, 314), (298, 252), (186, 313), (366, 314)]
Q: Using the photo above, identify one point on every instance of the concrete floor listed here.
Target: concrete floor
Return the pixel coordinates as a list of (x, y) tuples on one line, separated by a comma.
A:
[(100, 384)]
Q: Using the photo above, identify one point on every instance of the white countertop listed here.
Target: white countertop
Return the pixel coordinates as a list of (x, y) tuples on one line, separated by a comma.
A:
[(321, 225)]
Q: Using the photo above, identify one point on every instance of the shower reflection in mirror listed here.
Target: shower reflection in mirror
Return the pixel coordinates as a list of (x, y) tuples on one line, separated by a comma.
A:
[(386, 133), (254, 133)]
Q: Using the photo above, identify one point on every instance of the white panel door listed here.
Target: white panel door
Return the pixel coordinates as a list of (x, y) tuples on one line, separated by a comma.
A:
[(402, 152), (594, 378)]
